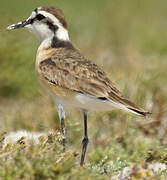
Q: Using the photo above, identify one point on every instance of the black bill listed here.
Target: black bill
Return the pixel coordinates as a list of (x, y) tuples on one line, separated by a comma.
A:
[(20, 24)]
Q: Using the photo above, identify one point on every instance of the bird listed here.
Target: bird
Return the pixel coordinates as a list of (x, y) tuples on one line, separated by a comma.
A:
[(71, 79)]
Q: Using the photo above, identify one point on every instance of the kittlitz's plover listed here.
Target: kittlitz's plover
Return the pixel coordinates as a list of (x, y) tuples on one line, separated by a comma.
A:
[(70, 78)]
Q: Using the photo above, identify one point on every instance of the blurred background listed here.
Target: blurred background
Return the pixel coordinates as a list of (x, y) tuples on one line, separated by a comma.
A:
[(128, 39)]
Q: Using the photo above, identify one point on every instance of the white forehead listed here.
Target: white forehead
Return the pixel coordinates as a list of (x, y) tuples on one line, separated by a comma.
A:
[(33, 15), (55, 21)]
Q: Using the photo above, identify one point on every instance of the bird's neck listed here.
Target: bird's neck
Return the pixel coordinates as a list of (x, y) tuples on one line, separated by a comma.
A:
[(50, 46), (55, 42), (58, 43)]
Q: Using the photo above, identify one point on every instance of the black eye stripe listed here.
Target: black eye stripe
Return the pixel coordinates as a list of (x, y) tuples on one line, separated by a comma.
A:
[(51, 26), (39, 17)]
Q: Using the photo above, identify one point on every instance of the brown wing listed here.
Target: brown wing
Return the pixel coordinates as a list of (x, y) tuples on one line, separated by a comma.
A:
[(74, 72)]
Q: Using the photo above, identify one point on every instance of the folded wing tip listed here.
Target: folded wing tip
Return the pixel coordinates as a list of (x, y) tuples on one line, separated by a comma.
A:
[(141, 112)]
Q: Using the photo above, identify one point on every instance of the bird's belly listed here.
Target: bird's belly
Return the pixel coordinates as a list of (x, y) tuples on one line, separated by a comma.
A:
[(81, 101)]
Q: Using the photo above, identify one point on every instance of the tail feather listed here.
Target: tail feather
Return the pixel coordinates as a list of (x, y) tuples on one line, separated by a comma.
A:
[(128, 105)]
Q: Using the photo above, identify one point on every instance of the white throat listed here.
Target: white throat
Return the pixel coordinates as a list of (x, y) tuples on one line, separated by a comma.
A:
[(42, 32)]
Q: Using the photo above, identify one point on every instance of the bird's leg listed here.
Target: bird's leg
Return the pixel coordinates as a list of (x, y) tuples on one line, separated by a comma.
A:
[(85, 139), (61, 113)]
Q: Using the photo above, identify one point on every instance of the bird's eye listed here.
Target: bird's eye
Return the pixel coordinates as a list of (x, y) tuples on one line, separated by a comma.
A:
[(40, 17)]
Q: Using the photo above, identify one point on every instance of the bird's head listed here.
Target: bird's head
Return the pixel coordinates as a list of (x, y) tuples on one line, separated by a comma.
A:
[(45, 22)]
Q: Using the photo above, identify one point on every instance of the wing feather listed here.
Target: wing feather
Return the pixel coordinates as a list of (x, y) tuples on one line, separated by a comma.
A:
[(76, 73)]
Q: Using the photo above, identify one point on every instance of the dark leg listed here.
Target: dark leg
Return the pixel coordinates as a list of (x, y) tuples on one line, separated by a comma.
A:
[(63, 130), (85, 139), (61, 113)]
